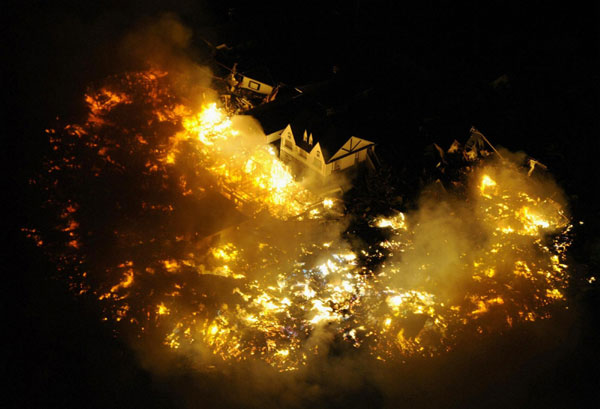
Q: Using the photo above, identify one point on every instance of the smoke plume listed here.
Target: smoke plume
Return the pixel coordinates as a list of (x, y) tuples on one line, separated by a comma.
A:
[(164, 42)]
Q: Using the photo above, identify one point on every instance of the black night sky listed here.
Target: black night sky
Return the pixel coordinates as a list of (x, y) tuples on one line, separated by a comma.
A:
[(526, 76)]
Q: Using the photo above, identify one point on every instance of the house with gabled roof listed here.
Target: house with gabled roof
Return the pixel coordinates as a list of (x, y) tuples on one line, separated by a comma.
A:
[(324, 146), (317, 135)]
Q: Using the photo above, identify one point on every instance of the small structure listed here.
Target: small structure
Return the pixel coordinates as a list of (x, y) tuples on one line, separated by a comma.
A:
[(243, 93), (239, 80), (276, 115)]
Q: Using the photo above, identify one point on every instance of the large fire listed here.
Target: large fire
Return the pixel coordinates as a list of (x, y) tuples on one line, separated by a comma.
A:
[(130, 186)]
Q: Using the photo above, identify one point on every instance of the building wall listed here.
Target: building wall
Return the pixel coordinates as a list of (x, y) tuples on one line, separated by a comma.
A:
[(313, 160), (347, 161), (289, 151), (256, 86), (353, 143)]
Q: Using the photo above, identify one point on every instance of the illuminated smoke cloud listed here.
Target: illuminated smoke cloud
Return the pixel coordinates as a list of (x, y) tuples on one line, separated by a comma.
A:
[(197, 240)]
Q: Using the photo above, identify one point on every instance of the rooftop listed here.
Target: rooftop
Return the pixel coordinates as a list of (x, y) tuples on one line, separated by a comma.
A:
[(331, 111)]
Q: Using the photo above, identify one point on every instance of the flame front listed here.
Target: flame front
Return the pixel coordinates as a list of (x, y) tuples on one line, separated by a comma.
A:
[(250, 173), (266, 288)]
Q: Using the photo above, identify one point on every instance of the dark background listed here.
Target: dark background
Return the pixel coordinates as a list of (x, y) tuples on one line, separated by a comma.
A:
[(431, 66)]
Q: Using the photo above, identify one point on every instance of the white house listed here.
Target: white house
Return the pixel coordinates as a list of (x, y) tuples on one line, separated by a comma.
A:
[(324, 152), (318, 131)]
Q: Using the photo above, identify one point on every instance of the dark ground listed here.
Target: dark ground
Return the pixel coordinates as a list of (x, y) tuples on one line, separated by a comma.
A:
[(430, 66)]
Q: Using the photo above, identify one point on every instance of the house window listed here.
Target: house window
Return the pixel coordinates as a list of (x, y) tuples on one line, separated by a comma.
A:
[(335, 166), (254, 85), (288, 145), (302, 153), (318, 154)]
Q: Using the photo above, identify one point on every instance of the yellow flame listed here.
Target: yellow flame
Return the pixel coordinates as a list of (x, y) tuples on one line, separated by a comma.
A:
[(162, 309), (486, 182)]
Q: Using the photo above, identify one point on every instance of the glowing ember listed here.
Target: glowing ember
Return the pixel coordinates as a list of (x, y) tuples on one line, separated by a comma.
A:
[(395, 222), (136, 197)]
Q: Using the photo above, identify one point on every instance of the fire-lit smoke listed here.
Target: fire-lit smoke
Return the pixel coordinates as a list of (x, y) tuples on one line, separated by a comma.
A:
[(165, 43), (193, 236), (477, 262)]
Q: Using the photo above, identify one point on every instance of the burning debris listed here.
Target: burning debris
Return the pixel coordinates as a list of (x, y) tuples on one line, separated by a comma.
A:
[(243, 93), (190, 232)]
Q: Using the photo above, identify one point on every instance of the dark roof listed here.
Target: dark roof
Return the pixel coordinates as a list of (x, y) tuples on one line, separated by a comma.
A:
[(330, 130), (276, 115), (309, 120), (329, 110), (336, 92)]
